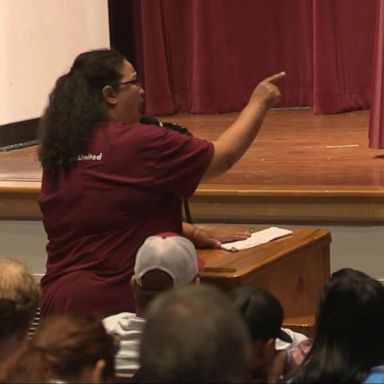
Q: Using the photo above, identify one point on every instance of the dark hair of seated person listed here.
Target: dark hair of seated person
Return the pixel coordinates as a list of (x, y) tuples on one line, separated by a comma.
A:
[(349, 337)]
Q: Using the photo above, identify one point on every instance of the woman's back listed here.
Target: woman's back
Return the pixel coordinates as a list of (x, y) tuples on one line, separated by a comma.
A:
[(127, 186), (109, 182)]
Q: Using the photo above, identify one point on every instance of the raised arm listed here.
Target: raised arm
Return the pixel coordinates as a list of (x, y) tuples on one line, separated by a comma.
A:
[(236, 139)]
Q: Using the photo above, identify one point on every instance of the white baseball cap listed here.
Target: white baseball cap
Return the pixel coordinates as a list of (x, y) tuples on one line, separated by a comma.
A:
[(170, 253)]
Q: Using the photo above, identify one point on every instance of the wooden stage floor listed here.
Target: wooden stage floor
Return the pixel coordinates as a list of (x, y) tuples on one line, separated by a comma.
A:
[(302, 168)]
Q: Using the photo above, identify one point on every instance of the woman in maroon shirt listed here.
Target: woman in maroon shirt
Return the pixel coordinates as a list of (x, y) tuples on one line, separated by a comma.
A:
[(109, 182)]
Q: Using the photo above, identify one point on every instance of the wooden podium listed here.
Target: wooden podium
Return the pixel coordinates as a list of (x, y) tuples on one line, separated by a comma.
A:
[(294, 268)]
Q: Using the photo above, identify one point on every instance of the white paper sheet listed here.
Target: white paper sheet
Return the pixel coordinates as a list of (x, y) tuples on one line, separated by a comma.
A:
[(257, 238)]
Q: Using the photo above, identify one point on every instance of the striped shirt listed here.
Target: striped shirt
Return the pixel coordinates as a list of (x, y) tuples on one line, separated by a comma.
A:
[(129, 328)]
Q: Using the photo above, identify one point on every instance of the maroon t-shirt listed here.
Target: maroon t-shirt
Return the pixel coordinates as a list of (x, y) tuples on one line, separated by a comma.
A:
[(125, 186)]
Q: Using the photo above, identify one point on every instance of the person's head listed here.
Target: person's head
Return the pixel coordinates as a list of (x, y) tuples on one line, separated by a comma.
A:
[(163, 261), (349, 337), (193, 334), (101, 85), (263, 315), (19, 298), (65, 347)]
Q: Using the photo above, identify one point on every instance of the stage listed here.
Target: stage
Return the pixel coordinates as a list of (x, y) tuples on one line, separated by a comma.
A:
[(302, 168)]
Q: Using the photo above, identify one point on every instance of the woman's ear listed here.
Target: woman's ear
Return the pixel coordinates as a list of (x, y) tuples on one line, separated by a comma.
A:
[(92, 373), (109, 95), (97, 372), (133, 283)]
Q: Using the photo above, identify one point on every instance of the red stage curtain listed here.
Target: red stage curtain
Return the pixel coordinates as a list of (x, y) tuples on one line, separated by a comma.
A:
[(343, 51), (376, 120), (206, 56)]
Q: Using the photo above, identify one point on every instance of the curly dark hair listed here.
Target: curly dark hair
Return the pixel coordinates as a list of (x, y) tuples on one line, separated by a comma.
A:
[(75, 106)]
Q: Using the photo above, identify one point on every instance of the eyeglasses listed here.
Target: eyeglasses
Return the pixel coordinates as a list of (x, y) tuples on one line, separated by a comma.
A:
[(135, 82)]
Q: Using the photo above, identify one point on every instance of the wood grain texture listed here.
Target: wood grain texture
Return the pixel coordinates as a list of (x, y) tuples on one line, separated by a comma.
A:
[(294, 268)]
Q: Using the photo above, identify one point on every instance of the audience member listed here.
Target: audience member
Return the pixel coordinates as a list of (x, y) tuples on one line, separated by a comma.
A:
[(110, 181), (193, 335), (264, 315), (19, 298), (162, 262), (348, 345), (66, 348)]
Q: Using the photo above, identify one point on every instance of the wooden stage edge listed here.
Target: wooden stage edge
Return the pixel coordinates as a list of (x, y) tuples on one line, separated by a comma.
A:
[(302, 168), (18, 201), (288, 206)]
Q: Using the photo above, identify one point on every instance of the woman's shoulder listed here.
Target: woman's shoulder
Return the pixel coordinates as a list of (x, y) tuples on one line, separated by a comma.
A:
[(115, 135), (145, 139), (137, 130), (147, 133)]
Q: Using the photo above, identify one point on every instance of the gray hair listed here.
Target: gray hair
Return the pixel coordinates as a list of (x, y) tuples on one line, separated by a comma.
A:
[(19, 297)]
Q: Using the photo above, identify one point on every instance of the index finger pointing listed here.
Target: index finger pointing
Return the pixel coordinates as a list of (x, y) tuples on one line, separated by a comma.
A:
[(276, 77)]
